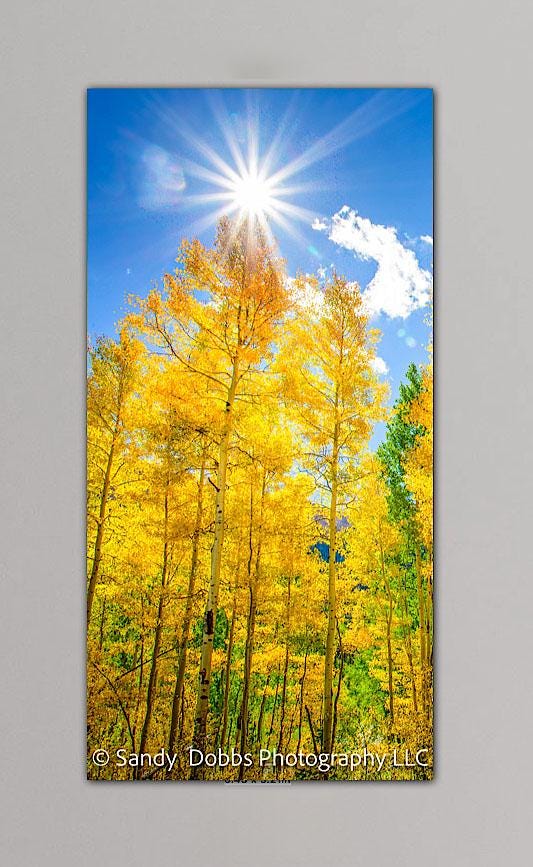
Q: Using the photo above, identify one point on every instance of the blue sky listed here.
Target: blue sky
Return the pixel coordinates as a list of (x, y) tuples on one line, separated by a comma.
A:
[(361, 181)]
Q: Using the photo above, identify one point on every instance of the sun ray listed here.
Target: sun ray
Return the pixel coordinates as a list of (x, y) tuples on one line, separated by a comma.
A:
[(368, 117), (295, 211), (273, 151), (211, 219), (224, 123)]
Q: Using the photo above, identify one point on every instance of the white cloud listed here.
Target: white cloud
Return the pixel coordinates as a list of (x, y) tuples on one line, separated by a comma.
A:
[(399, 285), (163, 180), (319, 225), (379, 365), (427, 239)]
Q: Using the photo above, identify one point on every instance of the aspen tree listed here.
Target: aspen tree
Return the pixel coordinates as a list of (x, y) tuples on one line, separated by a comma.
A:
[(225, 339), (187, 617), (113, 367), (330, 383)]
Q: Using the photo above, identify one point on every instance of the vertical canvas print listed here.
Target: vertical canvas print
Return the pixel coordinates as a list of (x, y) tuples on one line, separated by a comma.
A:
[(260, 435)]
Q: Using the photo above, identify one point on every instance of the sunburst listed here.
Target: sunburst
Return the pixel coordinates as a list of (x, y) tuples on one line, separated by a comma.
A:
[(254, 187), (248, 193), (248, 187)]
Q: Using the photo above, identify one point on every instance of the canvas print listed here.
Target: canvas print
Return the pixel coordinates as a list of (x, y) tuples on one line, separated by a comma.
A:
[(260, 435)]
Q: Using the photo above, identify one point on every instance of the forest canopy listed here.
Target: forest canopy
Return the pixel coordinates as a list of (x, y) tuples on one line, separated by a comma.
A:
[(257, 576)]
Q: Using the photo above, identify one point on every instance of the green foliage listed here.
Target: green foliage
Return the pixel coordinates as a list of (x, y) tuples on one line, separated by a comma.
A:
[(400, 438), (364, 691), (121, 635)]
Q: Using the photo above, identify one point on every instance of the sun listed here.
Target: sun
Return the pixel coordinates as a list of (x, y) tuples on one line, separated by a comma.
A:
[(251, 187), (253, 195)]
